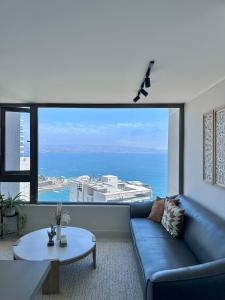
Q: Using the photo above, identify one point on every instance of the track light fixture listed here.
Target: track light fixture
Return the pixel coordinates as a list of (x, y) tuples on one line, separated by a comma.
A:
[(145, 83), (136, 98), (144, 92)]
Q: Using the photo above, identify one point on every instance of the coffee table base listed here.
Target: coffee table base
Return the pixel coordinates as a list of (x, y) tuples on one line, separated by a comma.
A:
[(51, 284)]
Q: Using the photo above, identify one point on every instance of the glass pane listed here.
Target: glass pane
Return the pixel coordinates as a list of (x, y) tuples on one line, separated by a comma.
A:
[(102, 155), (17, 141), (13, 188)]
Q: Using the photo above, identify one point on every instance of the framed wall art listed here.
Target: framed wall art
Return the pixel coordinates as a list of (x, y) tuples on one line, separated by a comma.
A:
[(208, 147), (220, 147)]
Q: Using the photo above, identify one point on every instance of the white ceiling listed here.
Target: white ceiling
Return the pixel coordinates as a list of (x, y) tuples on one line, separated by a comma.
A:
[(97, 51)]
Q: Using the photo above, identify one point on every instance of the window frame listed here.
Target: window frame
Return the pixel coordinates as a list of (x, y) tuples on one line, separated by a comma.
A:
[(32, 177)]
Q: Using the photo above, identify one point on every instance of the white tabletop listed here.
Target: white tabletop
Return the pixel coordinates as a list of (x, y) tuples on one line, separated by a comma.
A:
[(33, 246)]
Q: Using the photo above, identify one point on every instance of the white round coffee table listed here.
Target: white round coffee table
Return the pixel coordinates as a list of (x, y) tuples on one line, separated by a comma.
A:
[(33, 247)]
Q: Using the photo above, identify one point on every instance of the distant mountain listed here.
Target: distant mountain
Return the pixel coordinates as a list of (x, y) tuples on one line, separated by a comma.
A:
[(98, 149)]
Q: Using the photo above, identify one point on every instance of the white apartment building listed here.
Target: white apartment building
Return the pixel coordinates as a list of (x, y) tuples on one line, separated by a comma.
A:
[(107, 188)]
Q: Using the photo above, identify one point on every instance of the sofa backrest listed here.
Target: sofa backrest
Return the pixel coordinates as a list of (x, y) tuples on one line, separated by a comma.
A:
[(204, 232), (140, 209)]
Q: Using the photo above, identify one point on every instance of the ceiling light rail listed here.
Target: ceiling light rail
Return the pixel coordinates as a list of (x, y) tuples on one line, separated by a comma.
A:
[(146, 83)]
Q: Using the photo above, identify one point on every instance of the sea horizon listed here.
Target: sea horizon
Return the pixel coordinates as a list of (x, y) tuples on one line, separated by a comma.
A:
[(149, 168)]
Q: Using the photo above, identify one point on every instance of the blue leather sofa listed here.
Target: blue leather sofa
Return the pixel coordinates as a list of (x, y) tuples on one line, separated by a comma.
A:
[(189, 268)]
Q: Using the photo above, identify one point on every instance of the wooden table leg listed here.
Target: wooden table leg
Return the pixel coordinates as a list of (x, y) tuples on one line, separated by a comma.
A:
[(51, 284), (94, 257)]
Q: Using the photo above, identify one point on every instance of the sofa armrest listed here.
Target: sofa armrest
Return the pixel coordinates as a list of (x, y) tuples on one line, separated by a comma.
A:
[(204, 281), (140, 209)]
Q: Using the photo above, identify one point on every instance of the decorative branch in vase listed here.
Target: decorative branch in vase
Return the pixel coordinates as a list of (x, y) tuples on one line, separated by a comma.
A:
[(62, 218)]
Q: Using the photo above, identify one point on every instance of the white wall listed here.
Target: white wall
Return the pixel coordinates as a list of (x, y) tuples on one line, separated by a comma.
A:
[(103, 220), (210, 196)]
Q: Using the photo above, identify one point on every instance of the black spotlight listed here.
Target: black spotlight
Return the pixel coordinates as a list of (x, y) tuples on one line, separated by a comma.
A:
[(144, 92), (136, 98), (147, 82)]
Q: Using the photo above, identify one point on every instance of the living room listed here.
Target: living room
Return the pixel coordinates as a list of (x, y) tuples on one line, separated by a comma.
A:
[(112, 174)]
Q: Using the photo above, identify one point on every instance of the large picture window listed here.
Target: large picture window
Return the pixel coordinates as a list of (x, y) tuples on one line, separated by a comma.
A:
[(91, 154)]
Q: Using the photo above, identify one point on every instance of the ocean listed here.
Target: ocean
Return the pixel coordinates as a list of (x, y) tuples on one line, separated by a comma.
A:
[(150, 168)]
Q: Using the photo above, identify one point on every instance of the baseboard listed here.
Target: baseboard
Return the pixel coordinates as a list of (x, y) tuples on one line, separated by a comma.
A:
[(111, 234)]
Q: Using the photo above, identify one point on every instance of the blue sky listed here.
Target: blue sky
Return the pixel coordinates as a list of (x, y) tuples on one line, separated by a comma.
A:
[(133, 128)]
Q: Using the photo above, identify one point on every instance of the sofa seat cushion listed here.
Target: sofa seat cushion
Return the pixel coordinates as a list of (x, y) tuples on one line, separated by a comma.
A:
[(157, 250), (145, 228)]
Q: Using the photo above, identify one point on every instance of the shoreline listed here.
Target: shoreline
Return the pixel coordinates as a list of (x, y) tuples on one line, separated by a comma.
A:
[(52, 188)]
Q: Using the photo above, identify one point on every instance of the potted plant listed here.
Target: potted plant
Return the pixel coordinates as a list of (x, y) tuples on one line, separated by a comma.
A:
[(12, 206)]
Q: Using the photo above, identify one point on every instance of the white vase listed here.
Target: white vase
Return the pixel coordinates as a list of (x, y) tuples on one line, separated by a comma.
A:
[(58, 232)]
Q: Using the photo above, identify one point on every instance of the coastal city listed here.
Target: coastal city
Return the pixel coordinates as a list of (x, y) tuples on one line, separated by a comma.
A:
[(106, 188)]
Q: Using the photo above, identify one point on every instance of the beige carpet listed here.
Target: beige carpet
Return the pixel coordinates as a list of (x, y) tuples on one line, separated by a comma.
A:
[(115, 278)]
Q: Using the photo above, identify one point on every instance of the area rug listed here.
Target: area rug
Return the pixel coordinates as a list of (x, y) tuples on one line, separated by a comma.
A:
[(116, 276)]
